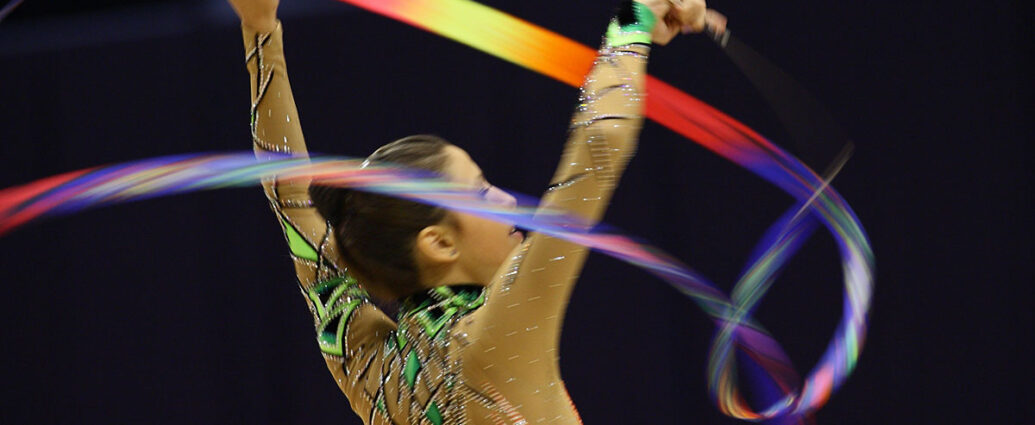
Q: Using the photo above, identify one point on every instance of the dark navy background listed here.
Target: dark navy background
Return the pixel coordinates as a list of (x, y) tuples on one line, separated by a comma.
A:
[(185, 310)]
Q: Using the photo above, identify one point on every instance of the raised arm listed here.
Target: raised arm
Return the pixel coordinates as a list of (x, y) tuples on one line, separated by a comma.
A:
[(350, 329), (516, 333)]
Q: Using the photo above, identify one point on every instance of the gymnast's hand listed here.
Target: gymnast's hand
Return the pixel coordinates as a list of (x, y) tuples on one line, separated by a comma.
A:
[(682, 16), (259, 15)]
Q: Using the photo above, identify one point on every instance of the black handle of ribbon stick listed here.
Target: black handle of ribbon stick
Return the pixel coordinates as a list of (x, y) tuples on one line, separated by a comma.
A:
[(817, 137), (722, 38)]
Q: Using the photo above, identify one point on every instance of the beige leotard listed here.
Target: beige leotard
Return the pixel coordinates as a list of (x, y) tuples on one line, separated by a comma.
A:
[(454, 356)]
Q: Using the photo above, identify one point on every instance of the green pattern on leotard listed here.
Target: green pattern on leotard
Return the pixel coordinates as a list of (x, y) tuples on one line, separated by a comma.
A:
[(298, 244), (412, 367), (433, 414), (327, 298)]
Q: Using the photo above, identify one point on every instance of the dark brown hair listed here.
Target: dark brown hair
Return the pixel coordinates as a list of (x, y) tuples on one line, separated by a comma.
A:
[(376, 233)]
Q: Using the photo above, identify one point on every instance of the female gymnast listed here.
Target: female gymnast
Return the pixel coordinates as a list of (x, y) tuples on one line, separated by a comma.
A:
[(476, 339)]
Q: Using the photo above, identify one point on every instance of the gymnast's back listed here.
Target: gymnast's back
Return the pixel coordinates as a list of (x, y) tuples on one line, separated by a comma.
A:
[(456, 354)]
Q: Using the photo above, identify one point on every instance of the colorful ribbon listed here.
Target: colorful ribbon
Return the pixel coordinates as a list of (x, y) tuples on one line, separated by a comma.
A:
[(553, 55), (560, 58)]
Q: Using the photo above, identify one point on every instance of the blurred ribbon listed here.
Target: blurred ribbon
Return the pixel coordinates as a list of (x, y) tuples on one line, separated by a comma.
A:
[(553, 55), (75, 191)]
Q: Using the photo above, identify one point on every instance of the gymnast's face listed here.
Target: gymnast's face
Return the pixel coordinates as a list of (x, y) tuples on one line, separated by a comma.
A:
[(480, 245)]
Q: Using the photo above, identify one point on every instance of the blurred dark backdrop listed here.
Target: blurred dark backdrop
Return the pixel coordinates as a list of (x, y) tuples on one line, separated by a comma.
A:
[(184, 310)]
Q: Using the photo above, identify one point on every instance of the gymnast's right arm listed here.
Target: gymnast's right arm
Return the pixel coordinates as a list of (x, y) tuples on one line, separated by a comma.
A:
[(350, 329)]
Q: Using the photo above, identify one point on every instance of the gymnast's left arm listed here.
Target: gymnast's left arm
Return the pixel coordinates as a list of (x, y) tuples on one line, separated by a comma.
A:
[(520, 324)]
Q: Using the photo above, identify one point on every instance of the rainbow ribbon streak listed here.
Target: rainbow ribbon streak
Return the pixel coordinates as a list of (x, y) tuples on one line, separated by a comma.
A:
[(553, 55), (76, 191)]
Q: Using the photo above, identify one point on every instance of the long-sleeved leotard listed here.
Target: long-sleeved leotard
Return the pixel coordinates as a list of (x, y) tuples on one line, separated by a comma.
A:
[(457, 355)]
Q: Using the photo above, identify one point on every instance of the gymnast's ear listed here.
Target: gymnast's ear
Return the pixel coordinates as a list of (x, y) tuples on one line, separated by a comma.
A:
[(436, 245)]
